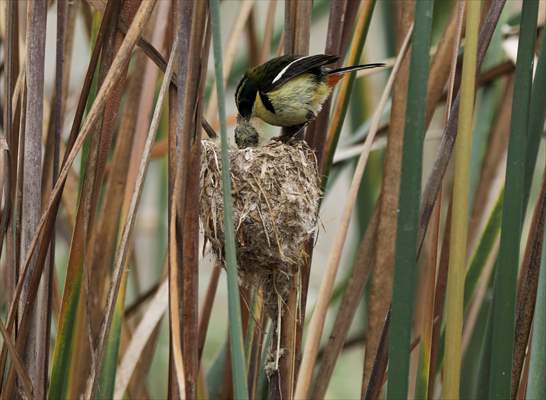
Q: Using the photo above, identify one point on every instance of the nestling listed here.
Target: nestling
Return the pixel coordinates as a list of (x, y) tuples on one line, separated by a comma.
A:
[(289, 91)]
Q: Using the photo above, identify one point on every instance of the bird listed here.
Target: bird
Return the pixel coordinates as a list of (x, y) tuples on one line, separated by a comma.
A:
[(246, 134), (289, 91)]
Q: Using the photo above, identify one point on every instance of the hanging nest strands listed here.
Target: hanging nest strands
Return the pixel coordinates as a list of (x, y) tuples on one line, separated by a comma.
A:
[(276, 192)]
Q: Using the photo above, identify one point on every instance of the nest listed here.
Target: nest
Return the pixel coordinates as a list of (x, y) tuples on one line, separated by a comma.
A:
[(276, 192)]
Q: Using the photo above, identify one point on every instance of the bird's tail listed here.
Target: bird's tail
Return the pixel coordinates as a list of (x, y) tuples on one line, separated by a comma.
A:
[(335, 75), (352, 68)]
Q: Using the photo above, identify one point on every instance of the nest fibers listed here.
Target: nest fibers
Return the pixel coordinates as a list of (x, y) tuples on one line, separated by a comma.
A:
[(276, 192)]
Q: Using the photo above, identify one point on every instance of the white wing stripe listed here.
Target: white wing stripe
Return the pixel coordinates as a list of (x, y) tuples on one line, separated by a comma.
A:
[(283, 71)]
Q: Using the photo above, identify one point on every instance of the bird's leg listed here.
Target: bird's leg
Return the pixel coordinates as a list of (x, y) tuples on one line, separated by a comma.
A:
[(294, 132)]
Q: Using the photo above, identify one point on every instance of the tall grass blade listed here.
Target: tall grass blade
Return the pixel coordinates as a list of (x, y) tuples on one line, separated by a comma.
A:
[(529, 275), (182, 19), (108, 372), (380, 292), (63, 58), (459, 224), (410, 188), (512, 214), (527, 290), (35, 349), (185, 158), (11, 130), (537, 112), (536, 386), (235, 324)]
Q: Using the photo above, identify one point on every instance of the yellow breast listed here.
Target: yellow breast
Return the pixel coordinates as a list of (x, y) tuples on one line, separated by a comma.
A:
[(295, 102)]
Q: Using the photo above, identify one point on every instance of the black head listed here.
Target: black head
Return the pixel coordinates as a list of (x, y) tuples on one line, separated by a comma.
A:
[(245, 95)]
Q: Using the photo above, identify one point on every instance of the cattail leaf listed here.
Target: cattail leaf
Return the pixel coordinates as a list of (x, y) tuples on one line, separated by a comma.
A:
[(410, 190), (459, 221), (235, 324), (512, 214)]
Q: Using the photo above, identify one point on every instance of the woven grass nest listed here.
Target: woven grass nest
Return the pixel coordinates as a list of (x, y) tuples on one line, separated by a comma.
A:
[(276, 192)]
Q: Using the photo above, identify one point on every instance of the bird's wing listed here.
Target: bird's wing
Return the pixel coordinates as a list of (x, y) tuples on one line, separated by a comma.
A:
[(294, 67)]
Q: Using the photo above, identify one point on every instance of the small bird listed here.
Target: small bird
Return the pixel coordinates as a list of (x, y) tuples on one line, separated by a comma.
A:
[(289, 91), (246, 134)]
